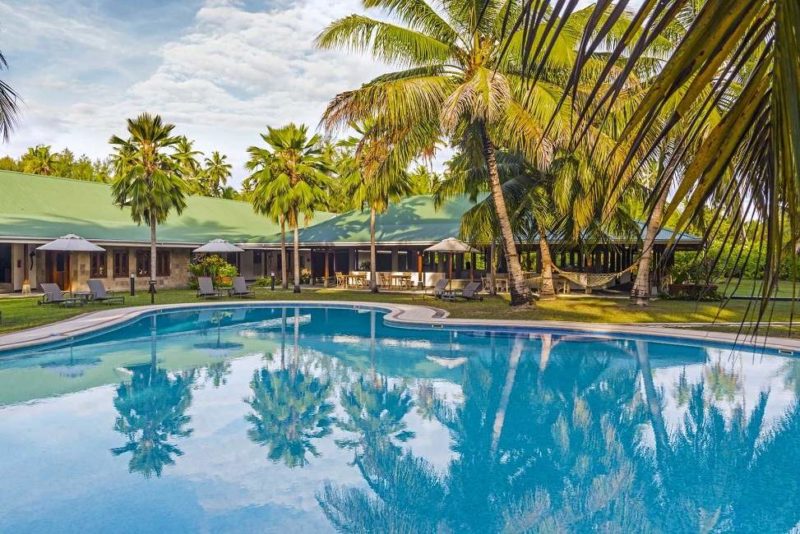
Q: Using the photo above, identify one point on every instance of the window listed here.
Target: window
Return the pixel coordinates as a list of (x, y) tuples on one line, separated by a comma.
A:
[(142, 263), (257, 257), (120, 264), (162, 263), (97, 265)]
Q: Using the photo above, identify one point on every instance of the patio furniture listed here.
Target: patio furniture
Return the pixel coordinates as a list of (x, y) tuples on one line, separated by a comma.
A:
[(341, 280), (357, 280), (97, 291), (401, 280), (440, 289), (205, 288), (470, 291), (240, 288), (54, 295)]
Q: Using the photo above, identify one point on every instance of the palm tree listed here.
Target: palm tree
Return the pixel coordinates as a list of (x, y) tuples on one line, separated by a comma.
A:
[(372, 178), (737, 56), (290, 180), (8, 104), (462, 79), (39, 160), (188, 160), (146, 179), (215, 174), (273, 207)]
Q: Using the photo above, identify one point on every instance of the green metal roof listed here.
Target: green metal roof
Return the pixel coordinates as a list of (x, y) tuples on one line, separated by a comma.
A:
[(40, 208), (413, 220)]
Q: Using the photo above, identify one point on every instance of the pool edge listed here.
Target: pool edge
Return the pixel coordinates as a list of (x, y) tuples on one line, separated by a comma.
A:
[(401, 315)]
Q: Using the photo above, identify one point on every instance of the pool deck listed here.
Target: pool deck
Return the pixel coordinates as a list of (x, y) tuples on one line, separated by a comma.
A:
[(401, 315)]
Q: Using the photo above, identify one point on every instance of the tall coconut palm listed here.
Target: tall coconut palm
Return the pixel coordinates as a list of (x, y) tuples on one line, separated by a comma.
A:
[(216, 172), (459, 81), (290, 181), (373, 177), (39, 160), (189, 167), (9, 100), (146, 180), (744, 52), (272, 207)]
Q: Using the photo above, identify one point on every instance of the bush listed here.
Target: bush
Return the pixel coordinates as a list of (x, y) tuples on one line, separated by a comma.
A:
[(214, 266)]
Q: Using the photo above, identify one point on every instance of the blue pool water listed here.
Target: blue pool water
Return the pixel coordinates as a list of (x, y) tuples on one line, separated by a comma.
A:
[(325, 419)]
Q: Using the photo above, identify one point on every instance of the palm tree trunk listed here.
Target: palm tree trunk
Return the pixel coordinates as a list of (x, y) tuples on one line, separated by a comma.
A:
[(505, 395), (547, 289), (493, 267), (284, 266), (520, 293), (373, 253), (653, 403), (641, 288), (296, 259), (153, 251)]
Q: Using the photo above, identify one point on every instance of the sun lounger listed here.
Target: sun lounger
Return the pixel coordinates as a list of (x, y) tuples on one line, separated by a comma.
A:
[(470, 291), (205, 288), (99, 293), (240, 288), (54, 295)]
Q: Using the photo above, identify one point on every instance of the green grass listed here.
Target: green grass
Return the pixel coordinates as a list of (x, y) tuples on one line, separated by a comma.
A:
[(746, 288), (19, 313)]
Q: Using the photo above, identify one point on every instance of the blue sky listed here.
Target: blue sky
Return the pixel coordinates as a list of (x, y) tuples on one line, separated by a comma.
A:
[(219, 69)]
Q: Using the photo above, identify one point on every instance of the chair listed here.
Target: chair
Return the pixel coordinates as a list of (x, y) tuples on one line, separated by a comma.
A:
[(240, 288), (470, 291), (440, 289), (54, 295), (205, 288), (341, 280), (99, 293)]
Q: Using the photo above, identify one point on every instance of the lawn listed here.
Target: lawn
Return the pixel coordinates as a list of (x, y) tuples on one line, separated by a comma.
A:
[(749, 287), (19, 313)]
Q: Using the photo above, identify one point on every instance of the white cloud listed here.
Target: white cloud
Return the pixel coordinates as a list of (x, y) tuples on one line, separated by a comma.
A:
[(221, 80)]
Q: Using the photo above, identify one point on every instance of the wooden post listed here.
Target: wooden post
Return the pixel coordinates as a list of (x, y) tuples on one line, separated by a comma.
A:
[(327, 273)]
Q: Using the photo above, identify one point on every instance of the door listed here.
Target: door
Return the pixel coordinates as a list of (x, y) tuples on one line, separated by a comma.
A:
[(57, 269)]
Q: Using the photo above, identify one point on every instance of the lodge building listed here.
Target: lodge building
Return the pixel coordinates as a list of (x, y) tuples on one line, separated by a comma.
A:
[(36, 209)]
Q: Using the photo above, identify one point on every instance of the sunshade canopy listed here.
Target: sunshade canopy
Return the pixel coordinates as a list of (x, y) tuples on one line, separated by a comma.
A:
[(452, 245), (218, 246), (71, 243)]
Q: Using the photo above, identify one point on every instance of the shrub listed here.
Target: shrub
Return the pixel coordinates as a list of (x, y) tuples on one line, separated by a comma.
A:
[(214, 266)]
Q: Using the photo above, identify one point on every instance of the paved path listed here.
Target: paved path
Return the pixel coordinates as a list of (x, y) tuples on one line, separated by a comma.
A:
[(401, 315)]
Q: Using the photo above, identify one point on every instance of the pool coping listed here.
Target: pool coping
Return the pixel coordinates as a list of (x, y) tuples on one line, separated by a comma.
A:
[(401, 315)]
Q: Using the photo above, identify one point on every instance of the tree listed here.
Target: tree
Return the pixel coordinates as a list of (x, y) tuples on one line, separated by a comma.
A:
[(146, 180), (739, 55), (372, 178), (291, 181), (188, 164), (215, 175), (39, 160), (9, 109), (460, 80)]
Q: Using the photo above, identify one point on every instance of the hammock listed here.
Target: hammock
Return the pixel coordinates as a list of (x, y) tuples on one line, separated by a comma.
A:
[(591, 280)]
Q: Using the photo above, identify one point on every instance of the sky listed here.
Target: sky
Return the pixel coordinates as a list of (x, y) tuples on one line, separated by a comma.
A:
[(220, 70)]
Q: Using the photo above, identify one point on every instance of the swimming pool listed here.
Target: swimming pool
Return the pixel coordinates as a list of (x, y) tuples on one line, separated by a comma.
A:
[(262, 419)]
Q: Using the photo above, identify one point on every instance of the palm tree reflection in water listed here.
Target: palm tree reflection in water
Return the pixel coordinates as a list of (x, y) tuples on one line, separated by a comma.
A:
[(574, 451), (152, 410), (290, 407)]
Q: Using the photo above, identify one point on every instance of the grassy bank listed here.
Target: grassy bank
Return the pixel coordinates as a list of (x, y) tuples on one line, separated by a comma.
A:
[(19, 313)]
